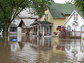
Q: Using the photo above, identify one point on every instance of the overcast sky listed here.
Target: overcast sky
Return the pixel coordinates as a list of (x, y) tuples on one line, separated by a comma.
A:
[(61, 1)]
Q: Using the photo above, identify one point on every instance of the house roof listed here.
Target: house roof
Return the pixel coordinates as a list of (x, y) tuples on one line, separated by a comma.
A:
[(60, 10), (26, 13), (27, 22), (45, 22), (80, 13), (42, 23)]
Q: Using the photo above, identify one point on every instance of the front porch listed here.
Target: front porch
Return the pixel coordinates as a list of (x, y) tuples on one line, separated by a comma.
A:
[(42, 29)]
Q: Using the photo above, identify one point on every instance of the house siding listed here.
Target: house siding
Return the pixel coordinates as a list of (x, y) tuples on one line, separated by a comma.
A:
[(55, 21), (71, 20)]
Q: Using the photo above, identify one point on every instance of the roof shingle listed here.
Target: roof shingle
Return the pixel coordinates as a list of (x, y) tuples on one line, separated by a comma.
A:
[(60, 10)]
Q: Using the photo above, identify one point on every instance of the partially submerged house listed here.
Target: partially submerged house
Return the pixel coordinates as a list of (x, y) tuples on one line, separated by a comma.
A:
[(42, 29), (25, 28), (57, 13), (21, 24), (75, 23)]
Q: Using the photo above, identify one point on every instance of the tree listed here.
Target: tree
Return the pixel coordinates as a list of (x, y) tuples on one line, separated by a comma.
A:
[(9, 9), (79, 4), (67, 2)]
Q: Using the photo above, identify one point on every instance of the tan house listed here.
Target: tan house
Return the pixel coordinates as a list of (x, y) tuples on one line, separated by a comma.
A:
[(58, 13)]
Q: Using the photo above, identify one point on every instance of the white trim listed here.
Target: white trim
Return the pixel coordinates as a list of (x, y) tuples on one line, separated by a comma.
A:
[(71, 16)]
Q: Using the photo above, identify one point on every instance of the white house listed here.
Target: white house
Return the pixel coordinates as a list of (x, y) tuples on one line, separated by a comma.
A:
[(22, 22), (75, 22)]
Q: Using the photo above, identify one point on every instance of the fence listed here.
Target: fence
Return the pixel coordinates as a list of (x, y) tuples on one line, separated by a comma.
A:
[(70, 34)]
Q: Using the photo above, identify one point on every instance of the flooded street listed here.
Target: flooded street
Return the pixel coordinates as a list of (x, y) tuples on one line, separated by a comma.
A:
[(47, 50)]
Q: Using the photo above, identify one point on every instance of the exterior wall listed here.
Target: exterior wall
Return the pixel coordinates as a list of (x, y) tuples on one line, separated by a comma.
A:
[(55, 22), (58, 22), (50, 18), (1, 32), (71, 20)]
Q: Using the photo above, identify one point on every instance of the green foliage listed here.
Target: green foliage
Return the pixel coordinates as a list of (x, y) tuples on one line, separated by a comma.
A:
[(40, 6), (80, 4), (68, 2), (9, 9)]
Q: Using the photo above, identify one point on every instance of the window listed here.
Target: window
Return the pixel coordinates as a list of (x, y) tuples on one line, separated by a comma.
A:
[(82, 28), (46, 16), (13, 29), (69, 28), (75, 17)]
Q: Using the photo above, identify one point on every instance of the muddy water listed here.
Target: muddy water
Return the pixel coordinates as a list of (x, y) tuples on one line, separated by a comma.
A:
[(47, 50)]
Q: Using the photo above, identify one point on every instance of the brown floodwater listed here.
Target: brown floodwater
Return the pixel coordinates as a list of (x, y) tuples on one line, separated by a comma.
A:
[(46, 50)]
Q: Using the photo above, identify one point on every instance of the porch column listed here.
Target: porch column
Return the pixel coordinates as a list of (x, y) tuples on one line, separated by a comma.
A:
[(32, 32), (52, 30), (42, 36), (37, 30), (43, 31)]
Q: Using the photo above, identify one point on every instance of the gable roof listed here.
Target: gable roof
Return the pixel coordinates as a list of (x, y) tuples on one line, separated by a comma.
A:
[(26, 14), (77, 11), (42, 23), (27, 22), (60, 10)]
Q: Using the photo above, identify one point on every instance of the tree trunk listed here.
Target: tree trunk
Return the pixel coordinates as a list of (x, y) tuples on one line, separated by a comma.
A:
[(6, 33)]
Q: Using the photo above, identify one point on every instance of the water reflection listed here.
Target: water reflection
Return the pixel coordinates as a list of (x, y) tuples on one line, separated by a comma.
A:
[(73, 49), (14, 46), (43, 42), (43, 50)]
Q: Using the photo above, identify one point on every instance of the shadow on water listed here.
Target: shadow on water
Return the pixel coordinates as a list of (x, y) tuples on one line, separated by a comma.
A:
[(42, 50)]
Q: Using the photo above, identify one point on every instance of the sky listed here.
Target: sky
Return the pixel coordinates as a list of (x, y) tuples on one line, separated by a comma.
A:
[(61, 1)]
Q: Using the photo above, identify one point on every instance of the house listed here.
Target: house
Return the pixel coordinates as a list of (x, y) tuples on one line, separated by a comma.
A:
[(42, 29), (75, 22), (21, 24), (58, 13), (25, 28), (12, 29)]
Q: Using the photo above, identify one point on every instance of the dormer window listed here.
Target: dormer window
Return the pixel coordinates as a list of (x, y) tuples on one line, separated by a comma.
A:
[(75, 17)]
